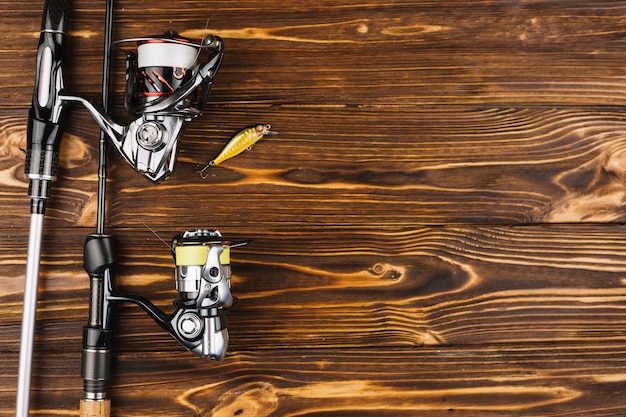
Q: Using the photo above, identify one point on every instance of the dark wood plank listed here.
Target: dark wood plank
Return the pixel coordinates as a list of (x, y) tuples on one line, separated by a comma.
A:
[(365, 53), (350, 167), (517, 380), (343, 288)]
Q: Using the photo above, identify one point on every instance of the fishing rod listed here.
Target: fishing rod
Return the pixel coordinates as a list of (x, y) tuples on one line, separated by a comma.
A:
[(96, 354), (162, 83), (44, 131)]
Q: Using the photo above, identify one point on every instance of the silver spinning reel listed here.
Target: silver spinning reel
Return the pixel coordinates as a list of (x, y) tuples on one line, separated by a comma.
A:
[(202, 276), (162, 81)]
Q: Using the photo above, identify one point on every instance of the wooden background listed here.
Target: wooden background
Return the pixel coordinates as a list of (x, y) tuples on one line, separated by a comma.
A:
[(439, 225)]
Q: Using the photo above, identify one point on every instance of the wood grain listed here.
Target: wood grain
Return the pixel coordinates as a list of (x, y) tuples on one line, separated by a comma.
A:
[(376, 53), (516, 381), (354, 167), (438, 228), (368, 288)]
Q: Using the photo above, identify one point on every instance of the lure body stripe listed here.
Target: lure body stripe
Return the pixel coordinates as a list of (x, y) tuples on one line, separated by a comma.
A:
[(243, 140)]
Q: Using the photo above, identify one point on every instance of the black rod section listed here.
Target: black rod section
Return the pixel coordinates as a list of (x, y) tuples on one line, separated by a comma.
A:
[(106, 74), (99, 261)]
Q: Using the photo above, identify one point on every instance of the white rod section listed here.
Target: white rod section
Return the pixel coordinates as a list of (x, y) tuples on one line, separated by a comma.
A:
[(29, 315)]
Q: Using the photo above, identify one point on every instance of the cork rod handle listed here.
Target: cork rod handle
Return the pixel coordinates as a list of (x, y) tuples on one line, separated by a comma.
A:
[(95, 408)]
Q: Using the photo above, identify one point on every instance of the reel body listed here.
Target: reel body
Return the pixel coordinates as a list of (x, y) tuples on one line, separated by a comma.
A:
[(203, 282)]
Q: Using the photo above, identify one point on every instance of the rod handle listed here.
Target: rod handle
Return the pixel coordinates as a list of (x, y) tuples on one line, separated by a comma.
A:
[(54, 15), (95, 408)]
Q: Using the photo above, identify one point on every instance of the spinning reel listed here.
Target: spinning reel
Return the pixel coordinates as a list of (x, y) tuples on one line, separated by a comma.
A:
[(202, 276), (162, 81), (203, 282)]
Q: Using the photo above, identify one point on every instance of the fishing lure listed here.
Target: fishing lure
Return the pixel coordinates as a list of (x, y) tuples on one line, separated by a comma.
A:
[(242, 141)]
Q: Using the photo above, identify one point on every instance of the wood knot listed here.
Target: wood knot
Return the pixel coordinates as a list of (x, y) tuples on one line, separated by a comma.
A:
[(253, 399), (305, 176), (362, 29), (386, 271), (616, 163)]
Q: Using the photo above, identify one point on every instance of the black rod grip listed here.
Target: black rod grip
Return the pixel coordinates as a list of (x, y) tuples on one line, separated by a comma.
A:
[(45, 127), (99, 261), (54, 15)]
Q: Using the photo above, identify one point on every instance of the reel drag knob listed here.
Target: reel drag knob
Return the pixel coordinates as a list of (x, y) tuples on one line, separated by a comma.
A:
[(190, 325), (150, 136)]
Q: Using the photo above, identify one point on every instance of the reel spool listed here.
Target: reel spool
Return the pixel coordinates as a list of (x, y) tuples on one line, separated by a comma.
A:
[(161, 65)]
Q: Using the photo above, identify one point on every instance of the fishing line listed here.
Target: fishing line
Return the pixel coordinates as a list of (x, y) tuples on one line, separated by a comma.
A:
[(169, 246)]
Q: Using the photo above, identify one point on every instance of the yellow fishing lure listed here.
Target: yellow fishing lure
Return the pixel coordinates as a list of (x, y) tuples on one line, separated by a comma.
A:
[(242, 141)]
